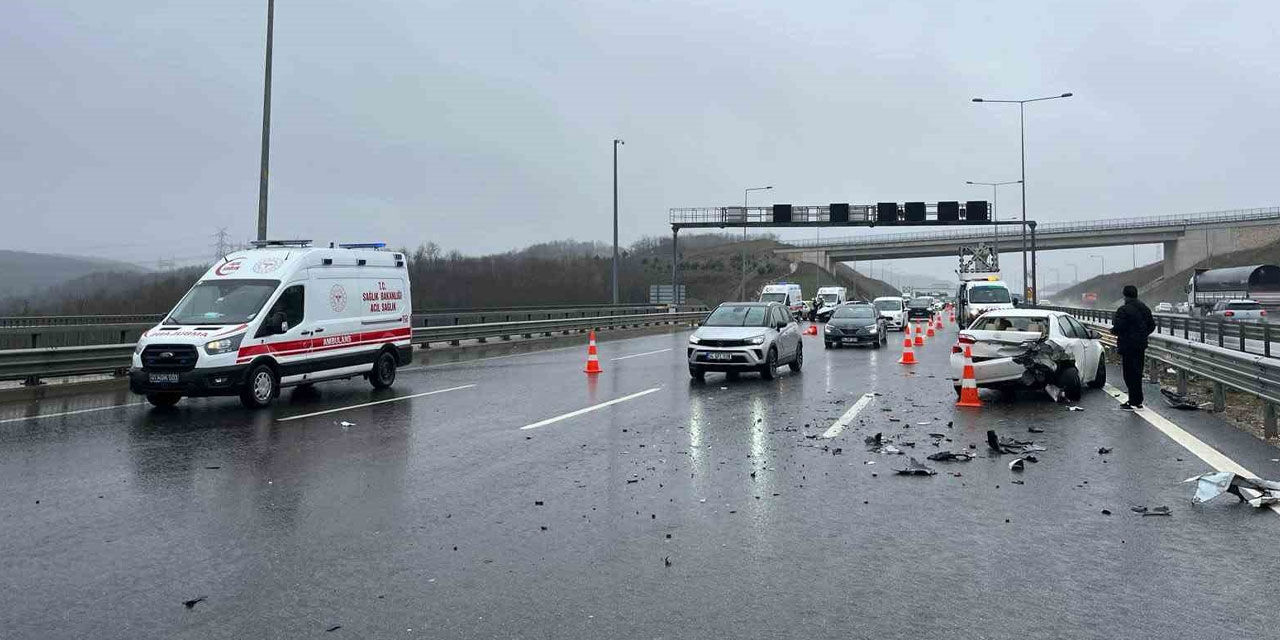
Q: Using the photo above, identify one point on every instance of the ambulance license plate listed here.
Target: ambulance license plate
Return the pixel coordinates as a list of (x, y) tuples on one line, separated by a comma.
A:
[(163, 378)]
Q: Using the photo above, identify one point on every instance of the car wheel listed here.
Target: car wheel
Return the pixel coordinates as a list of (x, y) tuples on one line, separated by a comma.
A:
[(826, 345), (1100, 379), (163, 400), (1069, 382), (798, 361), (697, 373), (383, 374), (260, 387), (770, 368)]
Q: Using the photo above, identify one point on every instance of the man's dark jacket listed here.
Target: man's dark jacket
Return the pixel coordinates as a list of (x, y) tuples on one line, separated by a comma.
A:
[(1131, 326)]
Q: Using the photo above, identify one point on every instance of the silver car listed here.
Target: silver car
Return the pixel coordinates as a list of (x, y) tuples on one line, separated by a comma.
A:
[(746, 336), (1239, 311)]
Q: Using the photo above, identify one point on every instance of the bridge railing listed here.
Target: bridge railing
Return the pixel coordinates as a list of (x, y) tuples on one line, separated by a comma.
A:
[(1144, 222)]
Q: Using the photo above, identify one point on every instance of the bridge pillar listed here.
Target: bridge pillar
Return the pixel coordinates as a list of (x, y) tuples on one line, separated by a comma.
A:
[(1198, 245)]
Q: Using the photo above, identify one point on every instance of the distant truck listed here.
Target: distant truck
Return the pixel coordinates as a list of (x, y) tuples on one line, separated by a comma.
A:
[(1089, 299), (1207, 287)]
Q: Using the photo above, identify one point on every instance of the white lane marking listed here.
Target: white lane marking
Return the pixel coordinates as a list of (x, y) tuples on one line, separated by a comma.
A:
[(589, 409), (849, 415), (510, 355), (1211, 456), (370, 404), (71, 413), (637, 355)]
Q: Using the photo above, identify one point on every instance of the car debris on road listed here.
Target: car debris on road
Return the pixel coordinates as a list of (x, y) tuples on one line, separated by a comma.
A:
[(1257, 492), (915, 468)]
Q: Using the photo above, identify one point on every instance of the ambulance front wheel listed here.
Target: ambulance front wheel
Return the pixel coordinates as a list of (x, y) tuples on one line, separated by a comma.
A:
[(384, 371), (260, 388), (163, 400)]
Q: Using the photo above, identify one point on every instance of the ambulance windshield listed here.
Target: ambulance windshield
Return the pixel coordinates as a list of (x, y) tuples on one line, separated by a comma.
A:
[(223, 302)]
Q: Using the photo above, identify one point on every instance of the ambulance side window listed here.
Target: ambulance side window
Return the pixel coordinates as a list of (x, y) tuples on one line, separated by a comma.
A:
[(290, 303)]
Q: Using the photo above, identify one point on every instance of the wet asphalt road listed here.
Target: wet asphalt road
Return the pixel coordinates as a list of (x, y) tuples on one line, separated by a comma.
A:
[(438, 516)]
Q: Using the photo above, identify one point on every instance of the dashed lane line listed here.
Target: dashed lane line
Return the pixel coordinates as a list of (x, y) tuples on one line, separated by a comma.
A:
[(370, 404), (589, 409), (637, 355), (1211, 456), (849, 415)]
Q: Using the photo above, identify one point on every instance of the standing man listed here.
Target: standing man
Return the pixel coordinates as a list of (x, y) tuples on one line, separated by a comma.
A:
[(1131, 326)]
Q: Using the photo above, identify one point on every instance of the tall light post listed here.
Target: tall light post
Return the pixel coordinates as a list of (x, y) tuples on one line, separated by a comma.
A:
[(617, 142), (1075, 269), (994, 216), (1102, 263), (742, 288), (1022, 137), (266, 128)]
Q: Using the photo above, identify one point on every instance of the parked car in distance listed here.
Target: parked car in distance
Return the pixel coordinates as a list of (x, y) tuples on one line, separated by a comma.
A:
[(746, 336), (1182, 307), (1164, 307), (1238, 311), (855, 324), (920, 308), (997, 337), (894, 311)]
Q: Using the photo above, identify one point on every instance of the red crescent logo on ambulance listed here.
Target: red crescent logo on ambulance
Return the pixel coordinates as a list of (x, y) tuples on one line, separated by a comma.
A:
[(229, 267)]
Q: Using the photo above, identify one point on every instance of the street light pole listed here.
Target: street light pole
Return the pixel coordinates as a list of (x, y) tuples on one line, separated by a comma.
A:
[(994, 216), (1102, 263), (617, 142), (266, 128), (1022, 141), (742, 286)]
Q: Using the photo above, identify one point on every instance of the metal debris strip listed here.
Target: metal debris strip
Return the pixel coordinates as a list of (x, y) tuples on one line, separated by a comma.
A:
[(1009, 445), (915, 468), (1257, 492), (1178, 400)]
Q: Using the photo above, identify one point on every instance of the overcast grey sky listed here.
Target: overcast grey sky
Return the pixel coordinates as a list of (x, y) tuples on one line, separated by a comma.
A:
[(130, 128)]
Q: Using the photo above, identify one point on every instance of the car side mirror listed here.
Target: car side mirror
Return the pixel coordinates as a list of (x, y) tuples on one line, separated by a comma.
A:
[(1093, 334), (781, 326), (278, 324)]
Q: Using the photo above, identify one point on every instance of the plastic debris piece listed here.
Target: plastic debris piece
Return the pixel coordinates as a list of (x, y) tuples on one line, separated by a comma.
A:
[(191, 604), (1017, 464), (915, 468), (1009, 445), (1102, 451), (892, 450), (1075, 408), (946, 456), (1106, 512), (1035, 430), (1257, 492), (1178, 400), (1158, 511)]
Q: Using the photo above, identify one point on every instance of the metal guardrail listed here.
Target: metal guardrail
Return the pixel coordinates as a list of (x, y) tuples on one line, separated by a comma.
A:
[(1246, 337), (31, 365), (1143, 222), (67, 331)]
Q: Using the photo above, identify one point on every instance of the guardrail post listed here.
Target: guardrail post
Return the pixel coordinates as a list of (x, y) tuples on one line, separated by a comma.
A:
[(35, 337), (1242, 332), (32, 381), (1182, 382), (1268, 420), (1153, 370), (1218, 328), (1219, 397), (1266, 340)]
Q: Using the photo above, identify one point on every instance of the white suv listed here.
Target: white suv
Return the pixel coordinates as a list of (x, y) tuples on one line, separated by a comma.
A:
[(1239, 311), (746, 336)]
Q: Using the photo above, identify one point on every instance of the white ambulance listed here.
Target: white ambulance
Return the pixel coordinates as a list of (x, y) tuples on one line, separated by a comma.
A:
[(282, 314), (785, 293)]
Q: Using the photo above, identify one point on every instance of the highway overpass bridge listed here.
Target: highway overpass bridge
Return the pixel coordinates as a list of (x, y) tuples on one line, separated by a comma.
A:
[(1187, 238)]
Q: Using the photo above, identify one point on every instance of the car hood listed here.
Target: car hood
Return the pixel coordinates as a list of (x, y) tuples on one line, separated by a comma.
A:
[(852, 324), (190, 334), (729, 333)]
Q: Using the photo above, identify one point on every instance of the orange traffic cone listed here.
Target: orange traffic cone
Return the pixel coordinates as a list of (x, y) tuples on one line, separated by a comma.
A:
[(811, 330), (908, 356), (952, 318), (919, 340), (968, 384), (938, 322), (929, 332), (593, 361)]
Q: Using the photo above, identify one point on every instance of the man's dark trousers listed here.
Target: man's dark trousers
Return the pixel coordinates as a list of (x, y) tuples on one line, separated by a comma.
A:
[(1132, 364)]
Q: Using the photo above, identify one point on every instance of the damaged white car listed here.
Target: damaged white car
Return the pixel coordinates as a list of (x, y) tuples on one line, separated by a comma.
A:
[(1031, 349)]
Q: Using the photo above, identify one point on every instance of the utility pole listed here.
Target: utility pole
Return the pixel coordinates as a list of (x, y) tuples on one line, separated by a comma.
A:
[(617, 142), (266, 129), (221, 243)]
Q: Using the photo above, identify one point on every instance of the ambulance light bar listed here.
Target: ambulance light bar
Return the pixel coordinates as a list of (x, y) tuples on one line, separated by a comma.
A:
[(259, 244), (364, 245)]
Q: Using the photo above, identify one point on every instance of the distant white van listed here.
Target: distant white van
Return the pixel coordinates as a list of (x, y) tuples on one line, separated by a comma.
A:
[(977, 297), (831, 298), (281, 314), (786, 293)]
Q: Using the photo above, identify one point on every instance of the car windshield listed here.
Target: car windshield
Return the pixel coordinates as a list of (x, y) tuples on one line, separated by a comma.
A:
[(1244, 306), (889, 305), (773, 297), (223, 302), (1010, 323), (829, 298), (860, 312), (737, 316), (989, 295), (920, 303)]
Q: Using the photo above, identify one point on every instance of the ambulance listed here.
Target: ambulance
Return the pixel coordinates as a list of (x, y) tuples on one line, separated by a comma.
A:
[(281, 314)]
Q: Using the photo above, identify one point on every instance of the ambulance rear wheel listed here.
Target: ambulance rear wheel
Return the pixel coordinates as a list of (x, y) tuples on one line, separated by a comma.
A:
[(163, 400), (260, 388), (384, 371)]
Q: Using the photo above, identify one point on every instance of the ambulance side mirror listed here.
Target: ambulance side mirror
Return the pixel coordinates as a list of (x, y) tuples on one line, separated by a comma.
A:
[(278, 323)]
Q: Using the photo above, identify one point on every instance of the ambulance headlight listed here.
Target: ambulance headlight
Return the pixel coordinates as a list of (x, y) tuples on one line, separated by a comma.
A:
[(223, 345), (137, 348)]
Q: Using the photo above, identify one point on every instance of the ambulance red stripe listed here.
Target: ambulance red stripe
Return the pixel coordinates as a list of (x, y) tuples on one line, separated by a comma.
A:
[(327, 343)]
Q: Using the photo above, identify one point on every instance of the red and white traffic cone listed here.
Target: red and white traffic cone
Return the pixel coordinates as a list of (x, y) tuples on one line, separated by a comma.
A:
[(919, 339), (908, 356), (968, 383), (929, 332), (593, 359)]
